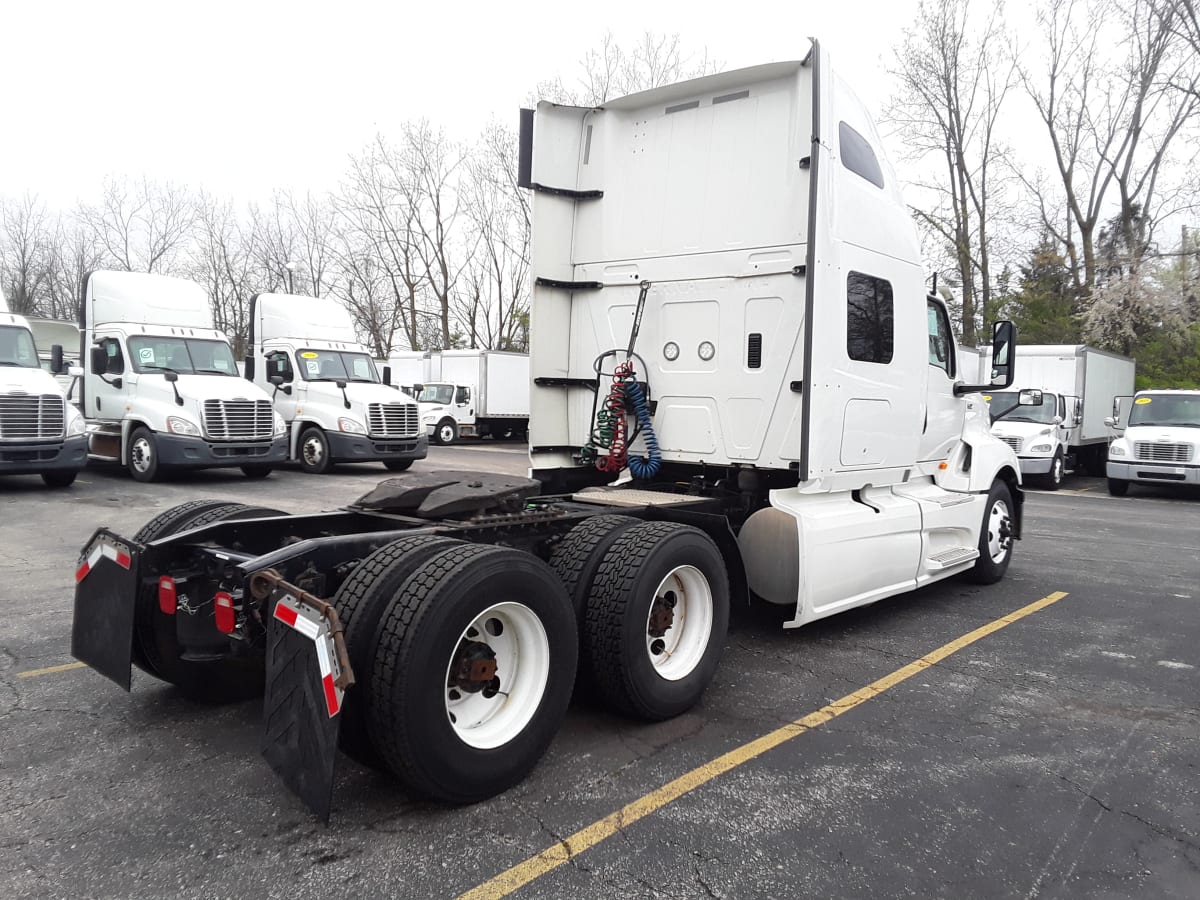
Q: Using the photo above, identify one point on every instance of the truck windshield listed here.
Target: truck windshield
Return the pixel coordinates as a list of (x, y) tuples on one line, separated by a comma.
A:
[(436, 393), (16, 348), (184, 356), (336, 365), (999, 401), (1166, 409)]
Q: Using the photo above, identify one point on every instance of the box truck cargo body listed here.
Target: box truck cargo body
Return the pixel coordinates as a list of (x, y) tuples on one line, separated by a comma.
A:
[(1066, 432)]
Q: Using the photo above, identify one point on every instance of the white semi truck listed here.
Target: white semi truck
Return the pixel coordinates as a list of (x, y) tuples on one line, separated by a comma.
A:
[(51, 333), (303, 351), (1066, 431), (475, 393), (1159, 440), (161, 387), (741, 393), (40, 431)]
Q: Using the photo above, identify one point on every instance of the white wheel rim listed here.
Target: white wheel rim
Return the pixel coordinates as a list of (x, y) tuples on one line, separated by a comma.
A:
[(141, 454), (313, 451), (998, 523), (486, 720), (447, 434), (678, 650)]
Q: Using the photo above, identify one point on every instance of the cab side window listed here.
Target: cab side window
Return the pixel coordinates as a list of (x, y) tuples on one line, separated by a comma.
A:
[(116, 359), (279, 363), (462, 395), (941, 339)]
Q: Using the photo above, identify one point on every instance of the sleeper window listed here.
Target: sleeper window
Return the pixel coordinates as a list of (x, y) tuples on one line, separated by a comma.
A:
[(869, 319)]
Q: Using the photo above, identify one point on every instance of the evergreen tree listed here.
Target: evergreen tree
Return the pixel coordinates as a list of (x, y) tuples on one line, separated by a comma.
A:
[(1043, 305)]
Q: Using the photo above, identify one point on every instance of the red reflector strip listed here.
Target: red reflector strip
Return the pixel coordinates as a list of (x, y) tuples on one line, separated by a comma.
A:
[(81, 572), (331, 697), (168, 601), (123, 560), (286, 615), (223, 613)]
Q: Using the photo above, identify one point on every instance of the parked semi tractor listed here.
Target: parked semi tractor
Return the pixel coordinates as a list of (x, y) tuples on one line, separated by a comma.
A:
[(475, 393), (304, 353), (1159, 440), (161, 388), (1065, 432), (741, 392), (40, 431)]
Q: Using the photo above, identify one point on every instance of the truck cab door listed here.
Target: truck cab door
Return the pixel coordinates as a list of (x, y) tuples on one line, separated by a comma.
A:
[(109, 385), (287, 397), (944, 412), (464, 405)]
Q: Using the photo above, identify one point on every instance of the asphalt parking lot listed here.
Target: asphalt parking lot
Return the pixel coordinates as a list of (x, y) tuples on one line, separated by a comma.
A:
[(1056, 754)]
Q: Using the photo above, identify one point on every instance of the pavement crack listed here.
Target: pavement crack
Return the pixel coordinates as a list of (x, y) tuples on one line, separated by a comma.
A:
[(1086, 792), (1160, 829)]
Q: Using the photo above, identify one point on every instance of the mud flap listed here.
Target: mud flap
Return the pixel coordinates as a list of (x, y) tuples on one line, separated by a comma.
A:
[(303, 703), (106, 586)]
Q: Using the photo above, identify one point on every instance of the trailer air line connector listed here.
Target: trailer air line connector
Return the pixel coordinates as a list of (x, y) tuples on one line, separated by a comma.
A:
[(624, 397)]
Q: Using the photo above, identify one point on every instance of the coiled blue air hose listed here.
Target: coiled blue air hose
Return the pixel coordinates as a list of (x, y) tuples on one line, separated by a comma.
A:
[(643, 467)]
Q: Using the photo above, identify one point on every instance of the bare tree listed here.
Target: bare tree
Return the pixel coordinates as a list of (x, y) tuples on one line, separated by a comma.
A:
[(610, 70), (141, 226), (25, 246), (1113, 117), (954, 72), (224, 264), (73, 254)]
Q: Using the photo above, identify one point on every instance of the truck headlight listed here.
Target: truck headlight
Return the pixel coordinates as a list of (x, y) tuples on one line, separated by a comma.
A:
[(1116, 450), (351, 426), (76, 425), (1040, 448), (176, 425), (280, 425)]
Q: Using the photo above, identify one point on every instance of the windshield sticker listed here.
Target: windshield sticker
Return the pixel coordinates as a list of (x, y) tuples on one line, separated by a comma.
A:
[(308, 354), (146, 355), (314, 367), (1142, 401)]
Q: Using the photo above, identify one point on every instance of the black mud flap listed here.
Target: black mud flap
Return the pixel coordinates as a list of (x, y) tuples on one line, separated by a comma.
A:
[(302, 707), (106, 585)]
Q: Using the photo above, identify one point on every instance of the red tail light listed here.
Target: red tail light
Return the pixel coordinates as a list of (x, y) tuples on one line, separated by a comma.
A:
[(167, 599), (223, 612)]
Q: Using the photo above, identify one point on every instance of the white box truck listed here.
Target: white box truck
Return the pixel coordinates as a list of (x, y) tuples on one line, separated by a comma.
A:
[(304, 353), (410, 369), (1066, 431), (475, 393), (40, 431), (161, 387), (1159, 440), (741, 393)]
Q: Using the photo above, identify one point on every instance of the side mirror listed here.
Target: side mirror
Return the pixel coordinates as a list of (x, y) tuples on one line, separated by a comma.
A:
[(1110, 421), (1029, 397), (75, 371), (99, 360), (1058, 420), (171, 376), (1004, 339), (341, 384), (276, 380), (387, 375), (56, 359), (248, 367)]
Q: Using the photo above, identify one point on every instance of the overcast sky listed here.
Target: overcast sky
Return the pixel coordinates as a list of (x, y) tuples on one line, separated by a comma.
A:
[(244, 97)]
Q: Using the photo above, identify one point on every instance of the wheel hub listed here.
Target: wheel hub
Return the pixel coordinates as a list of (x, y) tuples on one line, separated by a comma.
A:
[(662, 614), (473, 668)]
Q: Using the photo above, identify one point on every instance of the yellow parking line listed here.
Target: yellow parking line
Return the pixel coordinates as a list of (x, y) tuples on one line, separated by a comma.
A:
[(552, 857), (50, 670)]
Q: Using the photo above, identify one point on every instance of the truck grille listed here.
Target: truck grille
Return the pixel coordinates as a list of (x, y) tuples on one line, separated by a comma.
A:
[(393, 419), (32, 417), (1014, 442), (1175, 453), (238, 420)]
